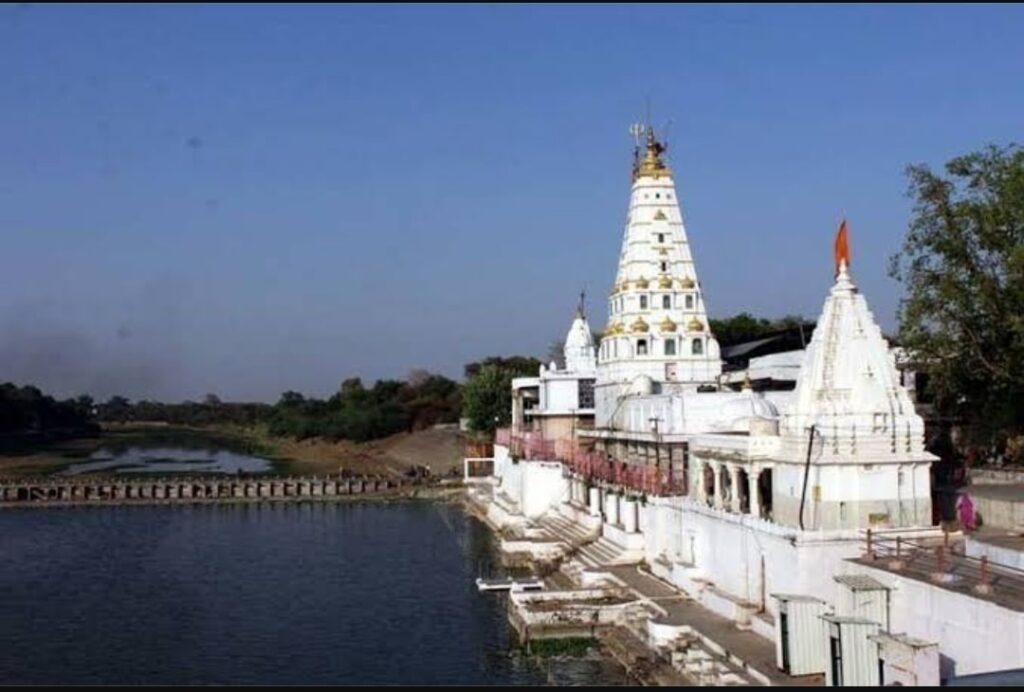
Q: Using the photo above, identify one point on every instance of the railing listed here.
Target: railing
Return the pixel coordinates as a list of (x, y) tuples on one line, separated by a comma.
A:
[(939, 562), (592, 465)]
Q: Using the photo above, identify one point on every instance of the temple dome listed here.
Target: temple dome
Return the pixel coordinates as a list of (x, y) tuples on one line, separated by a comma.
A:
[(748, 412)]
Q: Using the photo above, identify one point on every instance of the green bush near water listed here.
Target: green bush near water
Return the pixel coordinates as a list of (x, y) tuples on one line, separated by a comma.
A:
[(575, 647)]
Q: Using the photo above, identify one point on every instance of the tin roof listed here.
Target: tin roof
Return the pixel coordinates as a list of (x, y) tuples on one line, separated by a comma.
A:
[(861, 582)]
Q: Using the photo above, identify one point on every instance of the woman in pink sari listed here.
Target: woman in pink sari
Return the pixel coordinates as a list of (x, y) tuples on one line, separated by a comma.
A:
[(966, 510)]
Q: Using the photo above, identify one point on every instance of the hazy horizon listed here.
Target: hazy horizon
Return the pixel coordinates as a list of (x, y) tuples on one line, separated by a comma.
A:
[(247, 200)]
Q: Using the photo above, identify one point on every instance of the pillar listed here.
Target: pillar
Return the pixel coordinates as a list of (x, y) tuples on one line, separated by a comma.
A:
[(611, 503), (734, 487), (719, 502), (698, 482), (595, 502), (753, 491), (629, 515)]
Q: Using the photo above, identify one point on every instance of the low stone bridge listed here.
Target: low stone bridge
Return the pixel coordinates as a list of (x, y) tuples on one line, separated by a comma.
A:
[(117, 490)]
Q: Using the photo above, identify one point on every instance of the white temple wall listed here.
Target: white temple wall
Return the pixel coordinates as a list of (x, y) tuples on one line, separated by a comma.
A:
[(974, 635), (561, 395), (843, 496), (502, 459), (535, 486), (727, 550)]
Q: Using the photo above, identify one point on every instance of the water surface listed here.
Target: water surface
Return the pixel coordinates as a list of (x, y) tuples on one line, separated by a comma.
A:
[(146, 459), (351, 593)]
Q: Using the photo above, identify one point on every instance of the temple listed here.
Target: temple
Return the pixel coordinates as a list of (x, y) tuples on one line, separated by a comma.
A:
[(763, 508)]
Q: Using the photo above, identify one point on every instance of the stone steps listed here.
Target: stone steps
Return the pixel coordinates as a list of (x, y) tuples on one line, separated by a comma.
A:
[(706, 667), (570, 531), (603, 552)]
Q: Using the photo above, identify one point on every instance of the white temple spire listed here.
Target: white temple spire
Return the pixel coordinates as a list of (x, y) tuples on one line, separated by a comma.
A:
[(657, 324)]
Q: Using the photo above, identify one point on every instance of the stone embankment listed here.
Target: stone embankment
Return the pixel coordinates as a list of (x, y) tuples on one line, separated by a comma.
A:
[(48, 492)]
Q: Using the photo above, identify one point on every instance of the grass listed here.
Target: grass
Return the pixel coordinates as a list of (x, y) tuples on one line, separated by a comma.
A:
[(574, 647)]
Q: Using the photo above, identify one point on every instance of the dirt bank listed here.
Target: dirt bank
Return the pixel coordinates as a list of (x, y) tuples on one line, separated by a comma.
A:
[(440, 449)]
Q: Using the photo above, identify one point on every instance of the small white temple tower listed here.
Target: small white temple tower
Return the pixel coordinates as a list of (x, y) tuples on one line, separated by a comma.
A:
[(657, 336), (559, 402), (852, 425), (579, 350)]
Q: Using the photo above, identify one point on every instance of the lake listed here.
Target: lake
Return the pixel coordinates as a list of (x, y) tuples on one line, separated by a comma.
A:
[(348, 593)]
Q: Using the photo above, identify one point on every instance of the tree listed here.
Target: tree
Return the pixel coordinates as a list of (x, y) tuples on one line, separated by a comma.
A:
[(962, 269), (487, 396), (745, 327), (522, 366), (487, 399)]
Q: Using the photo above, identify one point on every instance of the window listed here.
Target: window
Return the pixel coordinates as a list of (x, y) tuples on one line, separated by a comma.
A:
[(641, 347), (698, 347), (661, 237), (666, 302), (643, 302), (664, 267), (586, 394), (689, 302), (670, 347)]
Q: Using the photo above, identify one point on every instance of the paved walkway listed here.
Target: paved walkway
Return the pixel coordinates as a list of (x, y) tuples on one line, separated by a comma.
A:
[(754, 650)]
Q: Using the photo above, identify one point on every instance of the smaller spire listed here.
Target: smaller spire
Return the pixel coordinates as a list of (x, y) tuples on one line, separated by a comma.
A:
[(581, 311)]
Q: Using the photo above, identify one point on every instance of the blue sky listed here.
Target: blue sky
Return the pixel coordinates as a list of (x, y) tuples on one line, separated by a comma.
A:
[(244, 200)]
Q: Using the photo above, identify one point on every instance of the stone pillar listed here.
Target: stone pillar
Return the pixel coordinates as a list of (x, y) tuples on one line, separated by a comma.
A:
[(595, 502), (734, 487), (753, 476), (611, 504), (629, 515), (719, 502), (697, 482)]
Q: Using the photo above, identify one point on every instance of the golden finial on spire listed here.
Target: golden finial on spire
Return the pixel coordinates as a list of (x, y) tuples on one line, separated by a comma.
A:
[(651, 164)]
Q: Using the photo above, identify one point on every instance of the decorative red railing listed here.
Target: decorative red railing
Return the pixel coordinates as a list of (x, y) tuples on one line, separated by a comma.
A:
[(592, 465)]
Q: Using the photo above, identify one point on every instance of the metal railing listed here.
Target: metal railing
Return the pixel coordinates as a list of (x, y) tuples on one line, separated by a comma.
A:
[(940, 562), (594, 466)]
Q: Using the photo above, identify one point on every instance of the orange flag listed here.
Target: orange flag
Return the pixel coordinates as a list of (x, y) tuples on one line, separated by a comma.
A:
[(842, 250)]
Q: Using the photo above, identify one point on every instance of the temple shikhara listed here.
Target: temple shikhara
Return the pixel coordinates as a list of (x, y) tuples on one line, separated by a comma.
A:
[(769, 524)]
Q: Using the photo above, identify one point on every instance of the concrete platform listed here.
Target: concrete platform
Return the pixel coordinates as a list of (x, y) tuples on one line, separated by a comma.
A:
[(750, 652)]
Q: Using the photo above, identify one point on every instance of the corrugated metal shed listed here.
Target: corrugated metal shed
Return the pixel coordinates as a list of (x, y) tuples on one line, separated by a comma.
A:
[(852, 653), (863, 596), (800, 634)]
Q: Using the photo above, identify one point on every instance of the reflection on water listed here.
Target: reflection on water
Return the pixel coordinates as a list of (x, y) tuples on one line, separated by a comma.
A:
[(356, 593), (168, 460)]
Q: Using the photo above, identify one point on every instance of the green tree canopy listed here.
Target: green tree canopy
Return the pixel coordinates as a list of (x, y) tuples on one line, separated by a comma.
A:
[(487, 395), (746, 327), (962, 269)]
